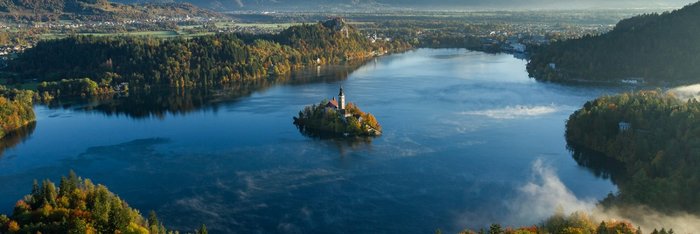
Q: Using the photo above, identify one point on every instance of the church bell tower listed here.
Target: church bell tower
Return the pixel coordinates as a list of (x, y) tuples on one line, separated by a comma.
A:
[(341, 99)]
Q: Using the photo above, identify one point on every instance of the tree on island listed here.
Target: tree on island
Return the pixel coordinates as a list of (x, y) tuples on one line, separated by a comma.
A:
[(334, 117)]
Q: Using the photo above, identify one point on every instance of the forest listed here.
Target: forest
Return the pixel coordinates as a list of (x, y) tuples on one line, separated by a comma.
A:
[(656, 139), (318, 120), (201, 61), (575, 223), (16, 110), (653, 48), (78, 205), (73, 87)]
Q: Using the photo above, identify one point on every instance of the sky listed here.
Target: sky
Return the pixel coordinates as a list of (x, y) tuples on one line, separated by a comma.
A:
[(546, 3)]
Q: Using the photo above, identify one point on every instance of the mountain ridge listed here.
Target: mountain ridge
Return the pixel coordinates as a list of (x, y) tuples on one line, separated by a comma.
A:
[(46, 10)]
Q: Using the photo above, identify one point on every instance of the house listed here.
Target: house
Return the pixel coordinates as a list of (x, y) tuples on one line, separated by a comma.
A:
[(518, 47), (122, 87), (624, 126), (633, 81)]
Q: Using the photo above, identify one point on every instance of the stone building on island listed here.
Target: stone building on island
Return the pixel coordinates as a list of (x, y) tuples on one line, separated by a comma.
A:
[(339, 104)]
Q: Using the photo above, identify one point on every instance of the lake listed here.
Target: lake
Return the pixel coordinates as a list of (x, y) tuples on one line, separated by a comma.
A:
[(468, 140)]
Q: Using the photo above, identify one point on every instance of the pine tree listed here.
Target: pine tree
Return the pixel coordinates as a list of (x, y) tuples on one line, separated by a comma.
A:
[(495, 229), (202, 230), (153, 219)]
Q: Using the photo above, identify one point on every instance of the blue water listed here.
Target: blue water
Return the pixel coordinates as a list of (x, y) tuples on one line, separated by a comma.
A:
[(462, 131)]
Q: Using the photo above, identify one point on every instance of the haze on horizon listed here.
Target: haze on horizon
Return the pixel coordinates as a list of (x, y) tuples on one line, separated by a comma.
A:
[(428, 4)]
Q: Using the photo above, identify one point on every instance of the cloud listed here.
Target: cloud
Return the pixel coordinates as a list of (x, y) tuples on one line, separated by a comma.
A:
[(540, 197), (544, 194), (686, 92), (512, 112)]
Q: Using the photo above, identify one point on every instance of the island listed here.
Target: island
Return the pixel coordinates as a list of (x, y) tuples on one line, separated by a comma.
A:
[(335, 118)]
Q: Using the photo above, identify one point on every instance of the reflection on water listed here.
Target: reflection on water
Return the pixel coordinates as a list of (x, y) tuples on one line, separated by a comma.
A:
[(18, 136), (344, 144), (599, 164), (158, 102)]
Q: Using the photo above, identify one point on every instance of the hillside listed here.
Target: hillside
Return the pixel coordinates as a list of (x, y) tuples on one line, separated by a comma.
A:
[(656, 48), (206, 60), (654, 138), (45, 10)]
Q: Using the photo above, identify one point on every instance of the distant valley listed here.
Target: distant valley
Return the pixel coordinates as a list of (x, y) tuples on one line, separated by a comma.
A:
[(38, 10)]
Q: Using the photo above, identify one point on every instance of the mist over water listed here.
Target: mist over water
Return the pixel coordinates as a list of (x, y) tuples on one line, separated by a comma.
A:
[(469, 140), (545, 194), (686, 92), (542, 195)]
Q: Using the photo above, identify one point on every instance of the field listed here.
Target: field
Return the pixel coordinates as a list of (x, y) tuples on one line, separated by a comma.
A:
[(184, 31), (156, 34)]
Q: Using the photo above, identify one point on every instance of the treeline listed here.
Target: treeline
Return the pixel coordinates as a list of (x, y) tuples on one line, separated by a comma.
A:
[(159, 102), (654, 136), (657, 48), (207, 60), (577, 222), (319, 120), (74, 87), (16, 109), (469, 42), (77, 206)]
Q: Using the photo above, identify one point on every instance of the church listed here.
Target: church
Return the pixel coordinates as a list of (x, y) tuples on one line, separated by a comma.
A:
[(337, 117), (339, 104)]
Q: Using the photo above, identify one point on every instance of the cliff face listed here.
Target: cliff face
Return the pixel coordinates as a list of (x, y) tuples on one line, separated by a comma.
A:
[(336, 24)]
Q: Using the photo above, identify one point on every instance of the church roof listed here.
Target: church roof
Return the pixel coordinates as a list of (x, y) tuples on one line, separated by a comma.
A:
[(341, 91), (332, 103)]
